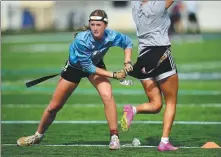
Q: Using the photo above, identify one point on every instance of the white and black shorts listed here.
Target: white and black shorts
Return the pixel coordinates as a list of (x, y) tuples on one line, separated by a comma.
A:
[(148, 67)]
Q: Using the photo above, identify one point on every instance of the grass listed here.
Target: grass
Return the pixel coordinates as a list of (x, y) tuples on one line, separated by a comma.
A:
[(19, 64)]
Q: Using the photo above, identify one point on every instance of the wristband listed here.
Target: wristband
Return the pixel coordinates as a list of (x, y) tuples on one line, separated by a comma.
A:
[(114, 74), (129, 62)]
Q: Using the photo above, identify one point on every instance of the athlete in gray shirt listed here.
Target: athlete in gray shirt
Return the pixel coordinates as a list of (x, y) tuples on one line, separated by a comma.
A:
[(155, 66), (152, 22)]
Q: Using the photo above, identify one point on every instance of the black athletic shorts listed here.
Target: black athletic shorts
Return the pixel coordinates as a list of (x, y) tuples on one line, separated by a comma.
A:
[(75, 75), (147, 66)]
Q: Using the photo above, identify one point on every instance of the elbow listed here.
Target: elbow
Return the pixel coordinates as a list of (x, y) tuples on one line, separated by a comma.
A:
[(169, 3)]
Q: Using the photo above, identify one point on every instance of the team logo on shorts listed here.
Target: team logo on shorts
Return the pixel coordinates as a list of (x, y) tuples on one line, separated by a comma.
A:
[(165, 55), (143, 70)]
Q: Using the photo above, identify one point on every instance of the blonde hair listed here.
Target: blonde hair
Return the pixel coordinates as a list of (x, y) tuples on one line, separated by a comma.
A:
[(101, 13), (80, 29)]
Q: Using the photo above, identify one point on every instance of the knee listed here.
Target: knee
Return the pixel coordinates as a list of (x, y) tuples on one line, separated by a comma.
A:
[(170, 105), (157, 106), (106, 95), (53, 108)]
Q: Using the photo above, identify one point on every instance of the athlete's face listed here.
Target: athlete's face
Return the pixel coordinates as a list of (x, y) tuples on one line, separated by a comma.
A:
[(97, 28)]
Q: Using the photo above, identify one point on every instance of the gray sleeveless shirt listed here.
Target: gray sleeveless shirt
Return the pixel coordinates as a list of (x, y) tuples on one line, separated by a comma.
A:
[(152, 22)]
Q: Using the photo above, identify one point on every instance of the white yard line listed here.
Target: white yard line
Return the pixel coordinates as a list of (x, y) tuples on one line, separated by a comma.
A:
[(40, 48), (93, 145), (104, 122), (100, 105), (199, 66), (183, 75)]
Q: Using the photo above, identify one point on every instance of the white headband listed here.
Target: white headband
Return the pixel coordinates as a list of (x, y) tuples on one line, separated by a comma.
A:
[(98, 18)]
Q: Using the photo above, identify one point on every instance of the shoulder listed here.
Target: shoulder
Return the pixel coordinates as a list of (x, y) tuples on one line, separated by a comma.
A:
[(154, 7), (111, 34), (156, 4), (134, 3), (110, 31), (84, 35), (82, 38)]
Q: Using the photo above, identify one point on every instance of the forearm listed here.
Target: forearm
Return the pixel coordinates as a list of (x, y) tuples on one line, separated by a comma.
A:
[(127, 55), (169, 3), (102, 72)]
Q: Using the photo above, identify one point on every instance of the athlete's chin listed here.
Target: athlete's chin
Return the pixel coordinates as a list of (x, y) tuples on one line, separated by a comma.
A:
[(97, 36)]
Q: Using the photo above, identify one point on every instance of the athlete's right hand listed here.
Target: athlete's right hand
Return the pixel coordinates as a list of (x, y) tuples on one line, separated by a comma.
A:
[(128, 66), (119, 75)]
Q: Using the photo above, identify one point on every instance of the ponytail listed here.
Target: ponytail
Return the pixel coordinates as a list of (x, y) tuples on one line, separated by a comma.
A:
[(80, 29)]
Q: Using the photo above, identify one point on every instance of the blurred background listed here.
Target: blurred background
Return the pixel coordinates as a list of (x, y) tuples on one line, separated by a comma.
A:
[(65, 15), (35, 41)]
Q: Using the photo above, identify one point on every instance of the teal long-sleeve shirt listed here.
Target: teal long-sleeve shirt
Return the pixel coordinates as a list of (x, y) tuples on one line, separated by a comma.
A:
[(85, 52)]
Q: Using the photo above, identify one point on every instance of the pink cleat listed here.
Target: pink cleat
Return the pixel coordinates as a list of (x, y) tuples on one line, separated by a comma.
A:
[(166, 147), (127, 117)]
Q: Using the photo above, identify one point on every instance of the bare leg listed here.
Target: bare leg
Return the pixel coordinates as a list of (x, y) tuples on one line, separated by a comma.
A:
[(155, 99), (104, 88), (154, 105), (62, 92), (169, 89)]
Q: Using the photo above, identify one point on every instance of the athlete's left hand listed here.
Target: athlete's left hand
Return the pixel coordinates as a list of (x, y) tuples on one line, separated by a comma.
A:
[(128, 66)]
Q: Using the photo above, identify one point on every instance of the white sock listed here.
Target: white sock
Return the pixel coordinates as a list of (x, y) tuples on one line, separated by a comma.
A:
[(134, 110), (165, 140), (39, 135)]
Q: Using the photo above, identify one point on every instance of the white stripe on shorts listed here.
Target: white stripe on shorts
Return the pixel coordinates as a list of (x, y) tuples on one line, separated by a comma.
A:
[(144, 53), (172, 63), (149, 78), (165, 75)]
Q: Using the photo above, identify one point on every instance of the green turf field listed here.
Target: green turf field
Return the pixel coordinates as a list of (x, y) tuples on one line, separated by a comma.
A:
[(80, 128)]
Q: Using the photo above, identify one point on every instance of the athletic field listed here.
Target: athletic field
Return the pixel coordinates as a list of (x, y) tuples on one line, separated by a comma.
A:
[(80, 128)]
